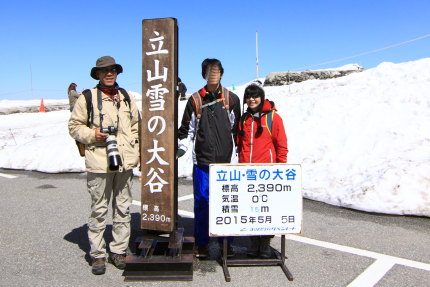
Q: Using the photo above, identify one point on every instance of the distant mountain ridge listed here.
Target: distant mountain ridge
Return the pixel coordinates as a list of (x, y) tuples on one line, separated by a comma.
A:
[(288, 78)]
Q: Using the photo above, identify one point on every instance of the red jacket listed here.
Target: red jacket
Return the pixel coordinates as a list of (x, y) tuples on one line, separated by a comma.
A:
[(262, 148)]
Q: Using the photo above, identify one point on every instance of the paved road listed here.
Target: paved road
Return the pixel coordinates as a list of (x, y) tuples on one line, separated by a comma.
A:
[(43, 242)]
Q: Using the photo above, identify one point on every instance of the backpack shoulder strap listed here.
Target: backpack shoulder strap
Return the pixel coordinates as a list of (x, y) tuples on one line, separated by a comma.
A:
[(226, 97), (126, 99), (89, 100), (227, 106), (126, 96), (269, 121), (198, 104), (198, 110)]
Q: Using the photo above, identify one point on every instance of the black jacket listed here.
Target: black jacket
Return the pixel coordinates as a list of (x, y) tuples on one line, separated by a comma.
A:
[(216, 131)]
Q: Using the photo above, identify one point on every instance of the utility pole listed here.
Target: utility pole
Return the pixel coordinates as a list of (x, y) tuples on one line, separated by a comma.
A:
[(31, 82), (256, 54)]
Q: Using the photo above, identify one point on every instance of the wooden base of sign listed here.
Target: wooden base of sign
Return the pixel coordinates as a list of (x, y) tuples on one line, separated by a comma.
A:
[(277, 260), (161, 258)]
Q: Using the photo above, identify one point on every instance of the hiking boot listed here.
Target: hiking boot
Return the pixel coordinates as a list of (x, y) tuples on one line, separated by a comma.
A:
[(118, 260), (98, 266), (265, 249), (202, 252), (255, 246)]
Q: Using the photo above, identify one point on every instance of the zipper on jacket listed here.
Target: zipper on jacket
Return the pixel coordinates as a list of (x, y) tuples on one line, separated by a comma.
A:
[(271, 156), (252, 139)]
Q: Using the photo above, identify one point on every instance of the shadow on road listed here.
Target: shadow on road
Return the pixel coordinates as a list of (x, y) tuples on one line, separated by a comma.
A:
[(79, 236)]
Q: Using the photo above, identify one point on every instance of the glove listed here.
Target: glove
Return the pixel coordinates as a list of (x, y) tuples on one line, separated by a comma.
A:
[(180, 153)]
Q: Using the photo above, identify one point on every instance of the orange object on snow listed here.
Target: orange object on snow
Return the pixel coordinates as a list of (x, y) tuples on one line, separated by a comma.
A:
[(42, 107)]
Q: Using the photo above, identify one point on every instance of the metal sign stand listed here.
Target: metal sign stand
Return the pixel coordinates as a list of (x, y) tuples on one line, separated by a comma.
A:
[(260, 199), (277, 260), (161, 258)]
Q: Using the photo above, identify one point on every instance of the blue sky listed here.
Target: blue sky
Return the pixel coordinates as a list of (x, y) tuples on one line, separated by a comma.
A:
[(49, 44)]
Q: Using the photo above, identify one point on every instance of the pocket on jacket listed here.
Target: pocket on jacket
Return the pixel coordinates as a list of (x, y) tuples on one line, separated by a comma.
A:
[(131, 153), (96, 158)]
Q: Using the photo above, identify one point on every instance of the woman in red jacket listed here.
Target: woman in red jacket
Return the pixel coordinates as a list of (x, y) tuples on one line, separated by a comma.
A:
[(261, 138)]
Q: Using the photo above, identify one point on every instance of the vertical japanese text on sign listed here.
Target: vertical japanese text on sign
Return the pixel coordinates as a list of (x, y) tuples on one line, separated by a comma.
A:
[(159, 122)]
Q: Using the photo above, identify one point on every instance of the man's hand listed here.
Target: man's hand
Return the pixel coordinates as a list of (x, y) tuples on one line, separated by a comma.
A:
[(180, 153), (100, 137)]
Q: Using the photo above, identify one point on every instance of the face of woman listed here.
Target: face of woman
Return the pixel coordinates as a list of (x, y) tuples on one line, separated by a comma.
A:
[(253, 103)]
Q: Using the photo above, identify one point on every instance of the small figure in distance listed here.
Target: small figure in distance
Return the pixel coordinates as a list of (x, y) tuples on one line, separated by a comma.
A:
[(181, 89), (73, 95)]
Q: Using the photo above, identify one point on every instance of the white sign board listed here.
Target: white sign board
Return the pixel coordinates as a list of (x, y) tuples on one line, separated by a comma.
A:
[(255, 199)]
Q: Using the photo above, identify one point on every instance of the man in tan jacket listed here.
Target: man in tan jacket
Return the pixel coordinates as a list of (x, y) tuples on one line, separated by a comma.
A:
[(109, 164)]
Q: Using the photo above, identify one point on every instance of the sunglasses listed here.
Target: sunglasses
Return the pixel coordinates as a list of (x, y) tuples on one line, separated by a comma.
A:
[(251, 96), (108, 70)]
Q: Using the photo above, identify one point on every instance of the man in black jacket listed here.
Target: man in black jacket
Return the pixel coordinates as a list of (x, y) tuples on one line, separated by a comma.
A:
[(209, 122)]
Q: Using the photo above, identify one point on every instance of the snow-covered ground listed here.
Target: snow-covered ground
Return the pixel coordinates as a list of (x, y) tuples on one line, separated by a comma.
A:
[(363, 140)]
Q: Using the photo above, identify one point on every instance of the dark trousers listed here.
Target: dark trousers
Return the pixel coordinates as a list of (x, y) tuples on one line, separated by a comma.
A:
[(201, 206)]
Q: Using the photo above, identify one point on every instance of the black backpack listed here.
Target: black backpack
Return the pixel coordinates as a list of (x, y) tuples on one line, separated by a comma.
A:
[(90, 107)]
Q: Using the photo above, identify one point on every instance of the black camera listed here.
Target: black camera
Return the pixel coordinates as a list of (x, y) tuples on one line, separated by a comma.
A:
[(112, 148), (109, 130)]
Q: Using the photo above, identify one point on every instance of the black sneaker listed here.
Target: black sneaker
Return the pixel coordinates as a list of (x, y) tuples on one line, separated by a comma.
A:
[(266, 252), (252, 253), (265, 249), (202, 252), (230, 251), (98, 266), (253, 250), (118, 260)]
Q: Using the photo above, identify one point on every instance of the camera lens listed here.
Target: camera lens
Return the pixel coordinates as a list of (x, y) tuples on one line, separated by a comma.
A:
[(113, 153)]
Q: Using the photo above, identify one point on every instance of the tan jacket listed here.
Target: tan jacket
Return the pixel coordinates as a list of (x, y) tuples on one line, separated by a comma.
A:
[(96, 159)]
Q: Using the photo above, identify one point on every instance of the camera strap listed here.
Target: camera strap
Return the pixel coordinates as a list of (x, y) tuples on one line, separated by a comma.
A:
[(100, 107), (90, 107)]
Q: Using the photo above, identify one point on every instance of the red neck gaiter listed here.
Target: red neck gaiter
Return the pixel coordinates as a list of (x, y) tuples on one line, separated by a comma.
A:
[(110, 92)]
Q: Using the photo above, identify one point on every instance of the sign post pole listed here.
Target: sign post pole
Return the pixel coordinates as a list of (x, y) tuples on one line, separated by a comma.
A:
[(168, 257)]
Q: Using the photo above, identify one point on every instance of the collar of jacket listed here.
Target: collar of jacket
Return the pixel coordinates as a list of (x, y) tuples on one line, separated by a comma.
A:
[(109, 91), (204, 92)]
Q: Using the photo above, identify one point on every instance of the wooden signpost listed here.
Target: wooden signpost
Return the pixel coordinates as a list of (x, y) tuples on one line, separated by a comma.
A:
[(159, 124), (160, 257)]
